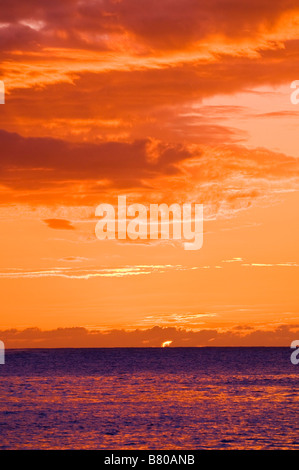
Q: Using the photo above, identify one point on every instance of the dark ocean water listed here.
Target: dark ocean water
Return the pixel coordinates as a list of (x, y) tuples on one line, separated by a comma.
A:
[(171, 398)]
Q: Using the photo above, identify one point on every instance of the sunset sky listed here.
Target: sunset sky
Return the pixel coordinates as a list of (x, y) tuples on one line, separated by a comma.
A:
[(163, 101)]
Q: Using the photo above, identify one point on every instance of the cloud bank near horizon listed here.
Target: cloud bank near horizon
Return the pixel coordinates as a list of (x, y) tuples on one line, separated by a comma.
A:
[(79, 337)]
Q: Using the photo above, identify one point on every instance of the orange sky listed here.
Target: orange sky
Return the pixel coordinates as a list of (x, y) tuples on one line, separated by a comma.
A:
[(162, 101)]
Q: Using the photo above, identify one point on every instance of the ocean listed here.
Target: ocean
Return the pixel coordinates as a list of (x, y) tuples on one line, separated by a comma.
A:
[(149, 398)]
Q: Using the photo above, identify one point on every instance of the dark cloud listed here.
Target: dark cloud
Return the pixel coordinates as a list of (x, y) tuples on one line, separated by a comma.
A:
[(131, 104), (39, 169), (171, 24), (46, 159), (282, 335), (18, 36)]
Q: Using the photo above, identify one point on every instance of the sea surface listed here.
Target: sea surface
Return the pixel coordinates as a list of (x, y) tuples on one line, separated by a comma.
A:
[(164, 398)]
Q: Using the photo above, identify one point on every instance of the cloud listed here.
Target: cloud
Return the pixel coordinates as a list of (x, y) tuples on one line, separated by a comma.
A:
[(234, 260), (291, 264), (170, 25), (278, 114), (78, 337), (183, 44), (129, 77), (226, 178), (59, 224), (90, 272), (47, 159)]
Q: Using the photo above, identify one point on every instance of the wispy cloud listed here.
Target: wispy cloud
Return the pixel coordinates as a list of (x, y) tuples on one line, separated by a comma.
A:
[(290, 264), (92, 272)]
